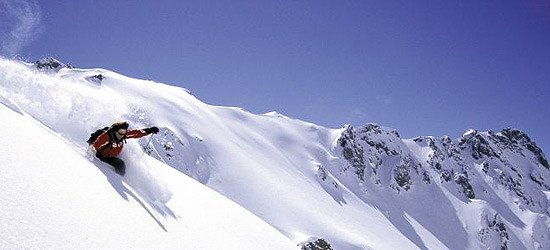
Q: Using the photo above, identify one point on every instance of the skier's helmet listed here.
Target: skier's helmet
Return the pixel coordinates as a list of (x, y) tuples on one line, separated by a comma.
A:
[(119, 125)]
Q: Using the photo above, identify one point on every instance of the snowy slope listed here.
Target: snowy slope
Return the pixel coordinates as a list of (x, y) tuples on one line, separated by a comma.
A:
[(363, 188), (53, 197)]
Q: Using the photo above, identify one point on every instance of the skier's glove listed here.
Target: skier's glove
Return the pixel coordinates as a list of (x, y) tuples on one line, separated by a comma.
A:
[(151, 130)]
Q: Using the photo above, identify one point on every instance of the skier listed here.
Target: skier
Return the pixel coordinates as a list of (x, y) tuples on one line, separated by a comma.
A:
[(108, 144)]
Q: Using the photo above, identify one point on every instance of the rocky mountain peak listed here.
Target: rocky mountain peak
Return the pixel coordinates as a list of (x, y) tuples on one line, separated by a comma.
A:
[(379, 153), (478, 143), (374, 128), (50, 63), (518, 140)]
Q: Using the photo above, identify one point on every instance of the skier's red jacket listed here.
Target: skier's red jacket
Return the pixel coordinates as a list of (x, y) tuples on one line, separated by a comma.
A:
[(101, 143)]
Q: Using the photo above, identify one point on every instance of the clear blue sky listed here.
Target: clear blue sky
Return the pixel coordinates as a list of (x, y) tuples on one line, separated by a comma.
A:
[(422, 67)]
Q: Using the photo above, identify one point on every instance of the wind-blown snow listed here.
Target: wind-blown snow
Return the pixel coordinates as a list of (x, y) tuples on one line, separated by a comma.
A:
[(356, 188)]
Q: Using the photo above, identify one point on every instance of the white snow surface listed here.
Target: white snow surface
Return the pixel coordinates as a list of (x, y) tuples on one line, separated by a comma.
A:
[(223, 178), (53, 197)]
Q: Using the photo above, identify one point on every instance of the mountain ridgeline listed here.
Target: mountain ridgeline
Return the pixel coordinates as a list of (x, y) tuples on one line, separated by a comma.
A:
[(497, 168), (508, 159)]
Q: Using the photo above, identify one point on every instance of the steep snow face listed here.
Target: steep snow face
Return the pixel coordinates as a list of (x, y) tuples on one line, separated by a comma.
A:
[(363, 188), (52, 196)]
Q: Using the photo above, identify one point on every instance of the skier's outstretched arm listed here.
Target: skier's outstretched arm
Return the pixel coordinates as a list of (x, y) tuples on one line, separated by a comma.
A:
[(142, 132)]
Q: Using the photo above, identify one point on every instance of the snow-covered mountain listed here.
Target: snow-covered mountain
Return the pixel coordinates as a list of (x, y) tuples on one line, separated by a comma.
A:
[(257, 181)]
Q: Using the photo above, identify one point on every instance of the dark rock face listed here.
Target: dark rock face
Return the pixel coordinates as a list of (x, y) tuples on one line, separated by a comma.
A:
[(378, 152), (402, 177), (316, 244), (467, 188), (50, 63), (446, 161), (352, 151), (509, 138), (480, 147), (494, 233), (96, 78), (514, 138), (370, 134)]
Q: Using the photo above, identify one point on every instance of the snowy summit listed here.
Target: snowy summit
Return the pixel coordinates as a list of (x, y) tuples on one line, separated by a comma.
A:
[(223, 178)]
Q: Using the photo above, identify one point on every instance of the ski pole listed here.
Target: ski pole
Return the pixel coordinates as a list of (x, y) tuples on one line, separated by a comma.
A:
[(147, 145)]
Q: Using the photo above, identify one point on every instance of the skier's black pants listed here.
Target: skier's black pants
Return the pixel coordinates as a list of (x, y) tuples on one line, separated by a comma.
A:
[(118, 164)]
